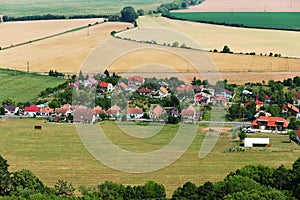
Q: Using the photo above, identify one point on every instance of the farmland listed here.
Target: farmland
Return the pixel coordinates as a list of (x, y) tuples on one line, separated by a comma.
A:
[(22, 87), (245, 6), (272, 20), (70, 7), (56, 152)]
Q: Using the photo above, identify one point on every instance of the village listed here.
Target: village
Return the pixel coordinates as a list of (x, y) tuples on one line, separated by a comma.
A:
[(168, 100)]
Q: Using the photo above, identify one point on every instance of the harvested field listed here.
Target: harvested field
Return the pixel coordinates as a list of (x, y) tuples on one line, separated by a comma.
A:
[(211, 37), (13, 33), (63, 53), (246, 6)]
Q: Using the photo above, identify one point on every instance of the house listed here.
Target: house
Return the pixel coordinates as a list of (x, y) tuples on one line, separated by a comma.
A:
[(262, 113), (113, 112), (122, 86), (90, 82), (225, 93), (184, 88), (298, 98), (163, 92), (156, 112), (291, 109), (47, 111), (145, 91), (135, 113), (259, 104), (188, 113), (298, 135), (249, 142), (298, 116), (211, 91), (98, 110), (202, 98), (105, 86), (32, 111), (270, 124), (11, 110), (135, 81), (65, 110), (173, 111), (164, 84), (82, 114), (246, 92), (220, 101)]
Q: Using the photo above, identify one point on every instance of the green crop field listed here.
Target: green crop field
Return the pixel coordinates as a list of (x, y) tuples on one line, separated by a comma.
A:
[(71, 7), (22, 87), (56, 152), (273, 20)]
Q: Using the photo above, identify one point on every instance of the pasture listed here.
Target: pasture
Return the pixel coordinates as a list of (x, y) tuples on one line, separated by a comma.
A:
[(271, 20), (71, 7), (22, 87), (56, 152), (245, 6)]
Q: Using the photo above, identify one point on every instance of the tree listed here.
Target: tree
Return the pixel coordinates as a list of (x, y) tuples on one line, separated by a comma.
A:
[(128, 14), (8, 102), (63, 188), (188, 191), (25, 183), (141, 12), (175, 44), (226, 49), (242, 135), (4, 177), (153, 190)]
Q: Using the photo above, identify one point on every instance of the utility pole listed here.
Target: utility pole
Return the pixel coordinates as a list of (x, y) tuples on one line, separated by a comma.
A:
[(27, 66)]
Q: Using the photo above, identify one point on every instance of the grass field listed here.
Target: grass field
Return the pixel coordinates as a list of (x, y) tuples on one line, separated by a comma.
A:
[(70, 7), (22, 87), (56, 152), (273, 20)]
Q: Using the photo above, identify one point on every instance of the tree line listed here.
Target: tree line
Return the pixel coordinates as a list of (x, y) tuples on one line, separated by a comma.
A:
[(250, 182)]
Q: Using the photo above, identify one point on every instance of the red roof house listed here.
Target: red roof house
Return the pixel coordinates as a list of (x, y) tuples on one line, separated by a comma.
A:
[(135, 113), (298, 135), (189, 112), (31, 110), (289, 108), (270, 124)]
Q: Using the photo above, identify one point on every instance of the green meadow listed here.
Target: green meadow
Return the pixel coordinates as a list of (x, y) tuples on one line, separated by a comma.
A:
[(56, 152), (22, 87), (71, 7), (272, 20)]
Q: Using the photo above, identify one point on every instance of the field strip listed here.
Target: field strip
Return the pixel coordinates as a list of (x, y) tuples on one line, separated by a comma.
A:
[(50, 36)]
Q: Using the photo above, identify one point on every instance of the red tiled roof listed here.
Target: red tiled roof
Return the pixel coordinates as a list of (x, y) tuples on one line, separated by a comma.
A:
[(113, 110), (103, 84), (221, 98), (190, 111), (298, 94), (135, 110), (32, 109), (82, 113), (122, 85), (47, 110), (290, 106), (158, 110), (271, 121), (98, 110), (136, 79), (298, 133), (144, 90), (259, 102)]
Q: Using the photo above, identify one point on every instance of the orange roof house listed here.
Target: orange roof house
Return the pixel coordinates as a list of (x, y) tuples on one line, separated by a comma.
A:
[(289, 108), (270, 124)]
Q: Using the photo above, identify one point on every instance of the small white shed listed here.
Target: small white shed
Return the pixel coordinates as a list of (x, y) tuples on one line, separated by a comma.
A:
[(248, 142)]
